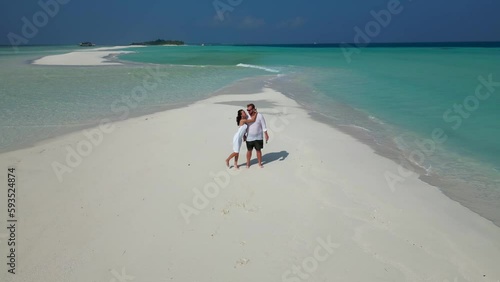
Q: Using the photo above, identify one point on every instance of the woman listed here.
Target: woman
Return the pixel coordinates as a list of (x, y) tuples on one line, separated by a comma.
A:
[(242, 120)]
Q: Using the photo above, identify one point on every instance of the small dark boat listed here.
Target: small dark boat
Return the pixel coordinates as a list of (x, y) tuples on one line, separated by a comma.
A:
[(87, 44)]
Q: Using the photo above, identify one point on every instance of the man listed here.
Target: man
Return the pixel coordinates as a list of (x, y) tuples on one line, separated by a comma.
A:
[(255, 135)]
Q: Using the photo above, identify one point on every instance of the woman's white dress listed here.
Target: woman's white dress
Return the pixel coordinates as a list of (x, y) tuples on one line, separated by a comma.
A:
[(238, 138)]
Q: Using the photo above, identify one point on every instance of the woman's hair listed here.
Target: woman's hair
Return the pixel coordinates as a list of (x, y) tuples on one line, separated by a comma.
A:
[(238, 118)]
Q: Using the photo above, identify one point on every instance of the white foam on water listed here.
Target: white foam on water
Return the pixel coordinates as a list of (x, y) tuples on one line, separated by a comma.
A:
[(375, 119), (257, 67)]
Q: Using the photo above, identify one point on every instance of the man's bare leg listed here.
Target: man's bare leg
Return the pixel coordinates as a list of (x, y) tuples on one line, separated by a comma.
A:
[(259, 158), (249, 156)]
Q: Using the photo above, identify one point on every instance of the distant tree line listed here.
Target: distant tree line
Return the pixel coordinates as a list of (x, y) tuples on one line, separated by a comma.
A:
[(160, 42)]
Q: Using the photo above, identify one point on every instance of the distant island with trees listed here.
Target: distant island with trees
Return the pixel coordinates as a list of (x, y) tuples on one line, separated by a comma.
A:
[(160, 42)]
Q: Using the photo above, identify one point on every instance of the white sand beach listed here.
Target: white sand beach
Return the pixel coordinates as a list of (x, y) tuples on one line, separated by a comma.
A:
[(90, 57), (149, 199)]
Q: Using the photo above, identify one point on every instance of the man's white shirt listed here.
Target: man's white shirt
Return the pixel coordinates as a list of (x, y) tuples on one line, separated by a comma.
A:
[(257, 128)]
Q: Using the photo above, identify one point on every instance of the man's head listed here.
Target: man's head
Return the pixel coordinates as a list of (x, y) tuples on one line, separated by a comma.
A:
[(250, 108)]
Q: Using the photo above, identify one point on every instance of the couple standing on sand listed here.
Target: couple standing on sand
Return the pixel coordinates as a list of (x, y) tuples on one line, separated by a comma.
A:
[(252, 128)]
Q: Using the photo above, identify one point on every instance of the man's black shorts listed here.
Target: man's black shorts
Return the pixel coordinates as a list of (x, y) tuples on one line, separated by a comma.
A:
[(257, 144)]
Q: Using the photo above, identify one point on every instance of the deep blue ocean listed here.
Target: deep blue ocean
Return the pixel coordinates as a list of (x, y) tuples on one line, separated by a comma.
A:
[(401, 97)]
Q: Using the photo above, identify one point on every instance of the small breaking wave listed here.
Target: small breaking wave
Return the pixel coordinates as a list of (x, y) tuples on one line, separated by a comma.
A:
[(257, 67), (376, 120)]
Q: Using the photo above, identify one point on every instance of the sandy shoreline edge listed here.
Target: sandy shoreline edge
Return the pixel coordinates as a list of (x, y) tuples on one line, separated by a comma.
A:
[(102, 56), (120, 206)]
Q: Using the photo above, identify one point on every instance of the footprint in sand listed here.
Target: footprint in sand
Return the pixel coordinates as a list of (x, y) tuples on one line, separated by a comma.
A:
[(241, 262), (243, 206)]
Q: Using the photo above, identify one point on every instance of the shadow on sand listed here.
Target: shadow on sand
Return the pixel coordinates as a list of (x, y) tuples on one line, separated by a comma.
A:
[(269, 157)]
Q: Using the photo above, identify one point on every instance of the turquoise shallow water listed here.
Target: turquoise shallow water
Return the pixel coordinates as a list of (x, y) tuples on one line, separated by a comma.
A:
[(42, 101), (408, 88), (398, 96)]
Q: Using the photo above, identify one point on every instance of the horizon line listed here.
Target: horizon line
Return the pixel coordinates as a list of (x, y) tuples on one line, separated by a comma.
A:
[(278, 44)]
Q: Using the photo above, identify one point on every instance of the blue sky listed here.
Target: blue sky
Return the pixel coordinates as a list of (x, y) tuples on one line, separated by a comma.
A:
[(249, 21)]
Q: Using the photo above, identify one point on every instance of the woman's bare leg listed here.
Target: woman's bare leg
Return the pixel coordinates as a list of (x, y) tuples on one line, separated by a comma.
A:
[(230, 157)]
